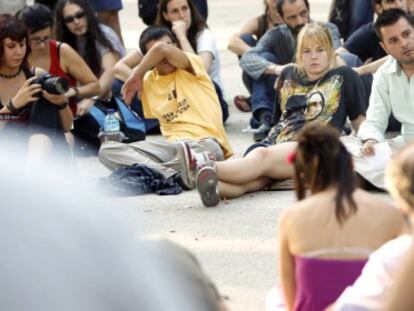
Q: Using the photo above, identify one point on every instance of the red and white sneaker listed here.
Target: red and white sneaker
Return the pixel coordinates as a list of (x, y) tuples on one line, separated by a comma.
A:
[(191, 162), (206, 183)]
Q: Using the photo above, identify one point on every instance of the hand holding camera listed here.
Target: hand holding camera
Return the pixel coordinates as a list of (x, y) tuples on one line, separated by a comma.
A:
[(27, 93), (43, 86)]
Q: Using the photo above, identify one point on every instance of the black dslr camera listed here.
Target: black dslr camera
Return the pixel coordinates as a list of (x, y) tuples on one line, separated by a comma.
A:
[(52, 85)]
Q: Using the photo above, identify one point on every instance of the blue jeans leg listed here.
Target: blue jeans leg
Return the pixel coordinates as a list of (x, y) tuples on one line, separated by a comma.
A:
[(263, 93)]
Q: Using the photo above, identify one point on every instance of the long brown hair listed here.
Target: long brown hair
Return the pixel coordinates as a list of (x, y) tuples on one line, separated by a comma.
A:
[(321, 161), (94, 34), (198, 23), (13, 28)]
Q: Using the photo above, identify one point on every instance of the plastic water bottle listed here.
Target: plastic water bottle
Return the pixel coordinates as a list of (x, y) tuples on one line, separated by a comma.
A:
[(112, 126)]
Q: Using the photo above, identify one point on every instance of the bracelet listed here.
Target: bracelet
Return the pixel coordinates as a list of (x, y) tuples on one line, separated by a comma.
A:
[(76, 91), (12, 108), (62, 106)]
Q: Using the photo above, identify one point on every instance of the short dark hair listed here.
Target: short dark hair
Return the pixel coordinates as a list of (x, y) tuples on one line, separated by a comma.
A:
[(280, 4), (154, 33), (390, 17), (11, 27), (36, 17)]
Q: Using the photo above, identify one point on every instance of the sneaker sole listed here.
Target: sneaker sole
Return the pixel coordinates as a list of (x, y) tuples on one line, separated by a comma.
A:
[(207, 186), (183, 151)]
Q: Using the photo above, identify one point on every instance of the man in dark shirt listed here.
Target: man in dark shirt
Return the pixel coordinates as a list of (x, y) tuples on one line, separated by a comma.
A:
[(274, 50), (365, 44)]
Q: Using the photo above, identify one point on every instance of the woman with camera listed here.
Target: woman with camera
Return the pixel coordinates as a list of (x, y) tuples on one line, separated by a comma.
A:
[(26, 110), (58, 58)]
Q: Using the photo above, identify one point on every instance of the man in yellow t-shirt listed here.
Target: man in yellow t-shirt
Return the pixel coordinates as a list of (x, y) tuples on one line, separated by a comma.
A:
[(175, 89)]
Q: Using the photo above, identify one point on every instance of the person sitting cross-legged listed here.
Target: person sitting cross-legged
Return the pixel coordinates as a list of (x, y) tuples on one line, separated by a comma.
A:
[(274, 51), (313, 89), (174, 88)]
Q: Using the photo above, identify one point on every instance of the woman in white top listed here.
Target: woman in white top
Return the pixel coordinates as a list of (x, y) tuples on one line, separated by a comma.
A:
[(193, 36)]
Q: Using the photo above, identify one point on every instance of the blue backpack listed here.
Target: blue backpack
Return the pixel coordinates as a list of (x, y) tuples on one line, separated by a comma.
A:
[(88, 126)]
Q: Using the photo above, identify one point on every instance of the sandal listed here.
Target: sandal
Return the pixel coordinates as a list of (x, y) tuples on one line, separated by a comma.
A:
[(242, 103)]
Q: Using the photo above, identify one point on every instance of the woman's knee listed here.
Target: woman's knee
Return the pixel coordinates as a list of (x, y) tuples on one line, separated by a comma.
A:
[(261, 154)]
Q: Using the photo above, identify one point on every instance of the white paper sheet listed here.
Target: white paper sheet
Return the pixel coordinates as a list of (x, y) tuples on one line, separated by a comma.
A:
[(382, 156)]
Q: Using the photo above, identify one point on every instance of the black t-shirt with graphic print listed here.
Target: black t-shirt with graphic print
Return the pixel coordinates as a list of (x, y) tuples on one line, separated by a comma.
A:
[(331, 99)]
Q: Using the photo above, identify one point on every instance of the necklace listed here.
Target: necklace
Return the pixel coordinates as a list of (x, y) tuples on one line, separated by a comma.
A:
[(11, 76)]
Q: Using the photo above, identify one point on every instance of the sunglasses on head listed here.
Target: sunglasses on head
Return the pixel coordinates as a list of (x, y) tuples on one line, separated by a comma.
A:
[(70, 18)]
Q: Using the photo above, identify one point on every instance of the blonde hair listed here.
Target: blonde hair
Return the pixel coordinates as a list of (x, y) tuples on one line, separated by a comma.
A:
[(399, 175), (319, 34)]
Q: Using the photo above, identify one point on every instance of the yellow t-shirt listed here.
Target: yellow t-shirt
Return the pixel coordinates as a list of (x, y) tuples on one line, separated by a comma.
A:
[(185, 103)]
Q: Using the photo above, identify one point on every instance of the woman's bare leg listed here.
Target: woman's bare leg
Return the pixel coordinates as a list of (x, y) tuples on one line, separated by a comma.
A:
[(261, 162), (230, 191)]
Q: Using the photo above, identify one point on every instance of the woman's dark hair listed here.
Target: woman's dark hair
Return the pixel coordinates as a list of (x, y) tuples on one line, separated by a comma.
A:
[(36, 17), (321, 161), (93, 35), (198, 23), (154, 33), (11, 27)]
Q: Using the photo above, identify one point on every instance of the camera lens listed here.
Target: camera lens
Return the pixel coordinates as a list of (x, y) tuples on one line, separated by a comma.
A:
[(56, 85)]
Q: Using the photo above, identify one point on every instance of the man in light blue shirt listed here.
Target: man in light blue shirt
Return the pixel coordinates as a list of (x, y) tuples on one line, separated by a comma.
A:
[(392, 91)]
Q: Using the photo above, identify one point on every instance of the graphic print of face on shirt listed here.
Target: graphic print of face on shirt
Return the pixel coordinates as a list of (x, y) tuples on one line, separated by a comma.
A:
[(301, 103)]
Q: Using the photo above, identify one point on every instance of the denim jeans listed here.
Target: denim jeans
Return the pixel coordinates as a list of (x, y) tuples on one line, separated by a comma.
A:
[(263, 94)]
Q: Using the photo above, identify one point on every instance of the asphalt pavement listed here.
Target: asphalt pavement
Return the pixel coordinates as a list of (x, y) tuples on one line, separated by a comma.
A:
[(236, 242)]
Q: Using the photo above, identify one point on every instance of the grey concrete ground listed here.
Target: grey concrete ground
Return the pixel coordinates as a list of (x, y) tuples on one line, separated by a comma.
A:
[(236, 241)]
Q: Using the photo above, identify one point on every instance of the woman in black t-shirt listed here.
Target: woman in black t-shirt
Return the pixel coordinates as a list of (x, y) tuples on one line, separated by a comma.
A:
[(313, 89), (27, 111)]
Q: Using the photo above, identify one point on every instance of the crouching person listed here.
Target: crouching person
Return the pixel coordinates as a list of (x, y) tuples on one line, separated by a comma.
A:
[(174, 88)]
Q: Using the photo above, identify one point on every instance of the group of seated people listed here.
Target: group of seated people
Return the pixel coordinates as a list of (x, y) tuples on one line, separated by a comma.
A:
[(318, 122)]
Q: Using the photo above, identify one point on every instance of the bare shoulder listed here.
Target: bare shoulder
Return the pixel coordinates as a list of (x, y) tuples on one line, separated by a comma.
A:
[(377, 204), (295, 213), (66, 50)]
